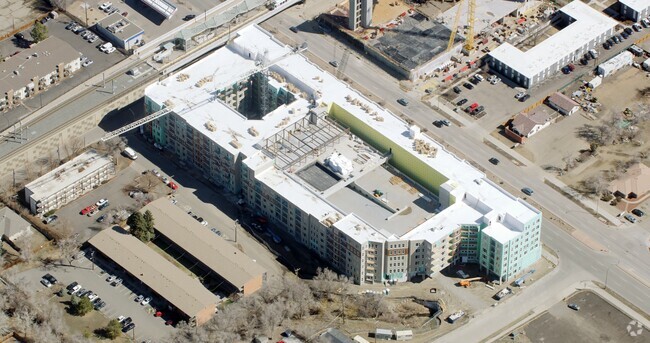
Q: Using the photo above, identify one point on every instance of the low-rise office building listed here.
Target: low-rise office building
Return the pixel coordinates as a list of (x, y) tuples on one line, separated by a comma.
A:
[(31, 71), (367, 192), (120, 31), (69, 181), (583, 28), (634, 9), (238, 272), (184, 294)]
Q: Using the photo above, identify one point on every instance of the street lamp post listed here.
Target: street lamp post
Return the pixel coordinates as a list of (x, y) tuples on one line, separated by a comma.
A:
[(607, 271)]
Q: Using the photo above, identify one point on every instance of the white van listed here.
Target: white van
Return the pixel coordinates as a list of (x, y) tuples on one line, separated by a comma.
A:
[(130, 153)]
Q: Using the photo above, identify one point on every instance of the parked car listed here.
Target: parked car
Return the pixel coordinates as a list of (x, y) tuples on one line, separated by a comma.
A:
[(70, 25), (117, 282), (630, 218), (519, 95), (103, 206), (575, 307), (172, 185), (334, 64), (527, 191), (125, 14), (637, 212), (72, 285), (139, 298), (468, 85), (402, 101), (46, 283), (146, 301), (101, 202), (524, 98), (494, 161), (127, 321), (111, 278), (629, 31), (120, 319), (101, 218), (105, 5), (110, 50), (128, 327), (189, 17), (92, 296), (461, 102), (50, 219), (80, 255), (457, 90), (99, 304), (50, 278)]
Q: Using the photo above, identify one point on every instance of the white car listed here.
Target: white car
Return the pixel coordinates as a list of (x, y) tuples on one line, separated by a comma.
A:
[(87, 63), (92, 296), (519, 95), (75, 289), (146, 301), (111, 278), (101, 202), (121, 318), (110, 50), (46, 283), (104, 47), (105, 5)]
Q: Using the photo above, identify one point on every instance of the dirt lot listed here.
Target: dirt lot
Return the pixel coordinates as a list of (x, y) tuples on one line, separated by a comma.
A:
[(596, 321), (404, 297), (553, 147)]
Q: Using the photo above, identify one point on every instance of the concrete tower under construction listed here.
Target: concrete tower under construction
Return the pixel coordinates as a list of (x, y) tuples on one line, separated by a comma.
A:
[(360, 14)]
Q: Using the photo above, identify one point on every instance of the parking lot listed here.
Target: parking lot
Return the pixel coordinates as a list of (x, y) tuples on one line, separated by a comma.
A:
[(87, 226), (56, 28), (140, 14), (595, 321), (119, 299)]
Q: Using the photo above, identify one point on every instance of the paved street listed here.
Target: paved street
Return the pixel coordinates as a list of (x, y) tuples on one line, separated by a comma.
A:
[(627, 257)]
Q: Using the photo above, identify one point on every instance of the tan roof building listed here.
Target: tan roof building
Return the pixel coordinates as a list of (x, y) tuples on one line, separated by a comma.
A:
[(211, 250), (562, 103), (180, 290), (636, 180), (528, 124)]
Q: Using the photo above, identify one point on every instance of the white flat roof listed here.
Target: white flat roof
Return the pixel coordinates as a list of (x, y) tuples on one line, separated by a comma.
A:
[(588, 25), (226, 67), (487, 199), (637, 5), (500, 233), (166, 8), (67, 174)]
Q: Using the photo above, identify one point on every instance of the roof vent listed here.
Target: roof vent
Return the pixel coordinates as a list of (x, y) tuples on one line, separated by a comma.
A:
[(253, 131), (211, 126)]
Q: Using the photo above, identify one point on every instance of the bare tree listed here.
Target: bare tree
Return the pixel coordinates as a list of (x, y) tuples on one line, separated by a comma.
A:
[(594, 185), (326, 283), (26, 249), (148, 182), (68, 244)]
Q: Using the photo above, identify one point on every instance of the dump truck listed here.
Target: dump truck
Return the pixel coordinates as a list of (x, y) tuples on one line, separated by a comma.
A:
[(467, 282)]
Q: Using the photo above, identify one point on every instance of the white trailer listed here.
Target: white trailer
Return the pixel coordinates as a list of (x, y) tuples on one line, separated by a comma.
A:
[(617, 62)]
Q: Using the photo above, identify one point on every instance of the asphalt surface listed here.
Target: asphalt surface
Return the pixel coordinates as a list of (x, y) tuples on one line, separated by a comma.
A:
[(626, 261)]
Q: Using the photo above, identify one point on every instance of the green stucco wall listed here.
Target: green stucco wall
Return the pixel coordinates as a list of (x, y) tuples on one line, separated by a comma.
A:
[(402, 159)]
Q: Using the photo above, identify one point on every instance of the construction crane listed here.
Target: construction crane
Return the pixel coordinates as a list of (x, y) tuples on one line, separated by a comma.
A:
[(260, 66), (469, 39)]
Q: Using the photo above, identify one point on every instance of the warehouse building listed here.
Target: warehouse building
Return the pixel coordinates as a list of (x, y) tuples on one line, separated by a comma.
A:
[(634, 9), (31, 71), (238, 272), (369, 193), (184, 294), (120, 31), (68, 181), (583, 28)]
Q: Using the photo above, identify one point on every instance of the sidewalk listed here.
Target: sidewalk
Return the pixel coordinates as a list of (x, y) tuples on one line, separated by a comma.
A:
[(556, 183)]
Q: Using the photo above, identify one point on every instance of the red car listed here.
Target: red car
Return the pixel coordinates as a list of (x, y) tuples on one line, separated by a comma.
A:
[(158, 314), (173, 185), (87, 210)]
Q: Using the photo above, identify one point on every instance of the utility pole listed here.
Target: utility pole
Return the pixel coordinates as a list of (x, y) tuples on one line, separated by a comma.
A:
[(235, 228)]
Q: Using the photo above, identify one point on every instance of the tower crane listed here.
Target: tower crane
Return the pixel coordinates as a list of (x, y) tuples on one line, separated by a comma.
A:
[(469, 40)]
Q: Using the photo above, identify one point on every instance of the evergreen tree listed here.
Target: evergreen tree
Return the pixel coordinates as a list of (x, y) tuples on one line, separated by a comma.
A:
[(39, 32)]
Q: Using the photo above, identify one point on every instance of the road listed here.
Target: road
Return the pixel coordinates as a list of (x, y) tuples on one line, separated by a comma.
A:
[(626, 249)]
